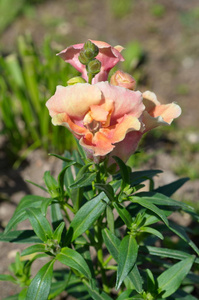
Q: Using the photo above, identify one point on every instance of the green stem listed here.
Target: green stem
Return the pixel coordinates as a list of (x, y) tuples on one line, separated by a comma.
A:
[(66, 213), (90, 77), (100, 256)]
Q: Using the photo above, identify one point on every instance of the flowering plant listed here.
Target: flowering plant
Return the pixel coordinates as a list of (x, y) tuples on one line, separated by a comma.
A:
[(104, 227)]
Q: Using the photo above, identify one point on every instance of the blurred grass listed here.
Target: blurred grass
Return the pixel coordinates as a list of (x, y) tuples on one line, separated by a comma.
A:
[(28, 79)]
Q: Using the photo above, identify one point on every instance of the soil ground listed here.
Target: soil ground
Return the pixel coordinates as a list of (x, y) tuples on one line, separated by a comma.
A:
[(171, 43)]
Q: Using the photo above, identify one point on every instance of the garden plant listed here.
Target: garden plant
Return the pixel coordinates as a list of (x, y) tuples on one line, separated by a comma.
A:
[(101, 231)]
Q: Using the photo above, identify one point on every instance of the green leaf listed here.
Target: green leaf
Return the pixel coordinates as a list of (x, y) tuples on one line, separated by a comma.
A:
[(22, 294), (180, 231), (95, 293), (124, 170), (110, 218), (34, 249), (81, 150), (170, 280), (66, 159), (5, 277), (113, 243), (160, 199), (171, 188), (107, 189), (145, 203), (74, 260), (58, 232), (20, 212), (37, 185), (140, 176), (85, 180), (40, 224), (135, 279), (56, 215), (20, 237), (164, 252), (40, 285), (86, 216), (128, 251), (124, 214), (62, 175), (125, 295), (152, 231), (51, 183)]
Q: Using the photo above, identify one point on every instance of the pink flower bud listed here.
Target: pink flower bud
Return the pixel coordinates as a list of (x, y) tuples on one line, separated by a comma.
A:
[(123, 79)]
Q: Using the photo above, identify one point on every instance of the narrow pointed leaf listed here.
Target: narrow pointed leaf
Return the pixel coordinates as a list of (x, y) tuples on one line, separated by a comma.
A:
[(171, 188), (113, 243), (40, 285), (180, 231), (73, 259), (40, 224), (20, 212), (95, 293), (124, 170), (110, 218), (170, 280), (164, 252), (34, 249), (86, 216), (152, 207), (107, 189), (152, 231), (58, 232), (85, 180), (20, 237), (56, 215), (5, 277), (124, 214), (128, 251)]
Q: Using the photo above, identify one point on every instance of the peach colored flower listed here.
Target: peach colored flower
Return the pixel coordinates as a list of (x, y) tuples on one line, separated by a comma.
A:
[(99, 115), (108, 56), (154, 115), (123, 79)]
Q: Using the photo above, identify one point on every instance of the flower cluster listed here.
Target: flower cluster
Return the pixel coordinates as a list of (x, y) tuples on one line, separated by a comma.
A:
[(106, 118)]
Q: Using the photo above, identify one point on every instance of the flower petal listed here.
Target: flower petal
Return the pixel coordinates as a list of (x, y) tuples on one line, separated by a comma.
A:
[(125, 101), (74, 100)]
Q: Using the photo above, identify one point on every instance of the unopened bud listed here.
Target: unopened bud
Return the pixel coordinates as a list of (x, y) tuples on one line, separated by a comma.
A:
[(84, 60), (91, 50), (75, 80), (123, 79), (94, 67)]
